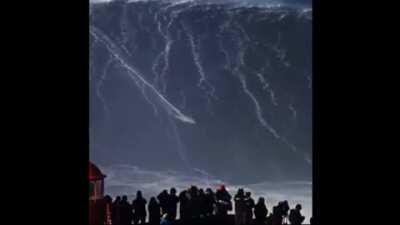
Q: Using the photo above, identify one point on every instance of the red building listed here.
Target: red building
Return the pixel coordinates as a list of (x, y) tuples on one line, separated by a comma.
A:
[(96, 182), (96, 195)]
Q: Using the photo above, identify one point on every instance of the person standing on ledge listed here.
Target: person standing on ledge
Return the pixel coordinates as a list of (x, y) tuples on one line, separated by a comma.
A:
[(295, 216), (260, 211), (240, 207), (172, 205), (139, 206), (163, 200), (223, 205), (249, 206), (209, 202), (154, 211), (125, 211)]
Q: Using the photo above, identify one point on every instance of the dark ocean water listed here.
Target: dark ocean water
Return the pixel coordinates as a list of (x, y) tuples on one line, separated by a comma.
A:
[(221, 88), (203, 92)]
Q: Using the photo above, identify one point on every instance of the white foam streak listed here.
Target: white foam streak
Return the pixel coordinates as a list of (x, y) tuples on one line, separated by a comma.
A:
[(165, 53), (134, 74), (257, 107), (203, 82), (228, 64), (180, 148), (281, 52), (293, 110), (309, 81), (242, 78), (100, 84), (266, 86), (167, 49)]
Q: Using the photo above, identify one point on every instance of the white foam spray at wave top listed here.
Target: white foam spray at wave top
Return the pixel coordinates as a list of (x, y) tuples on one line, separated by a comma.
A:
[(127, 179), (248, 3)]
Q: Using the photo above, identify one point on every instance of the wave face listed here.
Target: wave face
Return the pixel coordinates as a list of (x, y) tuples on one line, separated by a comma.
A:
[(222, 88), (263, 3)]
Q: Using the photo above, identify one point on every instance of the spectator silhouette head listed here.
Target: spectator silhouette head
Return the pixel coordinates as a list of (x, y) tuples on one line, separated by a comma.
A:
[(285, 208), (193, 190), (152, 200), (240, 192), (261, 200), (124, 198), (172, 191), (118, 199), (107, 199), (201, 194), (209, 191), (298, 207), (139, 194), (248, 194)]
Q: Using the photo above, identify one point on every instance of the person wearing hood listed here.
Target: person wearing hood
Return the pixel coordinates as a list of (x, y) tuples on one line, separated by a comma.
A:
[(240, 207), (172, 204), (260, 211), (154, 211)]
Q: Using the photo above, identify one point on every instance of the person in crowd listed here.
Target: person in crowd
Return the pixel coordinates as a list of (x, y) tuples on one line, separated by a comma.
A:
[(132, 213), (194, 209), (107, 200), (223, 199), (202, 203), (295, 216), (260, 211), (183, 205), (279, 213), (209, 202), (125, 210), (240, 207), (249, 206), (115, 212), (154, 211), (223, 205), (172, 204), (197, 207), (139, 207), (276, 217), (163, 199), (285, 210), (101, 212)]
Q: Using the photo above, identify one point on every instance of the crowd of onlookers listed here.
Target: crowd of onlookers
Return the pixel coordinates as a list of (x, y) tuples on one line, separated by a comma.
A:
[(195, 204)]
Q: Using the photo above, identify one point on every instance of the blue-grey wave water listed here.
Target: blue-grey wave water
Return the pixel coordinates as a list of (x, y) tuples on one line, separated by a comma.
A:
[(214, 91)]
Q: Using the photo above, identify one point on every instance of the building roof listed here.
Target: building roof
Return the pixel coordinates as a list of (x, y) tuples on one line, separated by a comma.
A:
[(95, 173)]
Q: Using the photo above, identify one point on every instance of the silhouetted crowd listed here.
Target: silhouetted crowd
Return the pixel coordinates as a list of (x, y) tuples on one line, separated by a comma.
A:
[(198, 205)]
